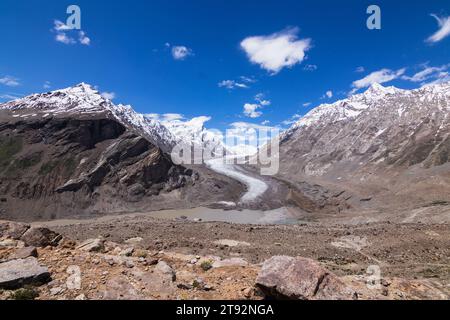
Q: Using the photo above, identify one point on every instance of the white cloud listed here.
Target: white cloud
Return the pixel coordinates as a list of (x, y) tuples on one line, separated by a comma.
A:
[(65, 34), (250, 110), (231, 84), (47, 85), (265, 122), (181, 52), (428, 73), (9, 81), (245, 138), (108, 95), (83, 38), (64, 38), (329, 94), (60, 26), (444, 29), (276, 51), (360, 70), (307, 104), (260, 99), (381, 76)]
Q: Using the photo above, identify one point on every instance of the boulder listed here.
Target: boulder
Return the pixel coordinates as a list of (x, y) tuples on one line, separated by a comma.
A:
[(17, 273), (231, 262), (13, 230), (40, 237), (23, 253), (166, 270), (283, 277), (92, 245)]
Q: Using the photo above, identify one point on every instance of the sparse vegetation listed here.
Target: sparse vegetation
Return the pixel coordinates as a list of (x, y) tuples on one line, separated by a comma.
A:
[(206, 265), (24, 162), (48, 167), (26, 293), (68, 166), (9, 146)]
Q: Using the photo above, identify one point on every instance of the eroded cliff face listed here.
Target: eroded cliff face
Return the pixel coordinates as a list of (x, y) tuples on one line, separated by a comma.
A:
[(57, 167)]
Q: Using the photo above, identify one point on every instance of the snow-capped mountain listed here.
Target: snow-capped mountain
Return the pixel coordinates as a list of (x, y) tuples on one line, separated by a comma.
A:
[(83, 100), (193, 132), (384, 126)]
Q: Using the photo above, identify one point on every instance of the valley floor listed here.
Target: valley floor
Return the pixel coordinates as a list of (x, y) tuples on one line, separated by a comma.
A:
[(411, 251)]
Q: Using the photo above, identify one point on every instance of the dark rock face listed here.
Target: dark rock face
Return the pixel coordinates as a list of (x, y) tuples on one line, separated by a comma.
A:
[(41, 237), (291, 278), (57, 167)]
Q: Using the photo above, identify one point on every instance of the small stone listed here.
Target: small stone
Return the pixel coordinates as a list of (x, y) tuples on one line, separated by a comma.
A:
[(128, 252), (80, 297), (92, 245), (248, 292), (56, 291), (134, 241)]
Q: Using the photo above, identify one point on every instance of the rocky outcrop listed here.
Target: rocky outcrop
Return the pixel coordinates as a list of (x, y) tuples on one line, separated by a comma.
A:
[(41, 237), (17, 273), (13, 230), (283, 277)]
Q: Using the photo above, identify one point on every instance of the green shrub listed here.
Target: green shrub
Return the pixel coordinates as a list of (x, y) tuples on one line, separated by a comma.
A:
[(206, 265), (26, 293)]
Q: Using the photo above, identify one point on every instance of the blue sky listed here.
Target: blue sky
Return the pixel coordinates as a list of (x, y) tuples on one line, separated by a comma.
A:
[(212, 58)]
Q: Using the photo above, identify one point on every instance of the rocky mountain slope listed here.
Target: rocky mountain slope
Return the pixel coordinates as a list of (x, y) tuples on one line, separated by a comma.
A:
[(385, 146), (72, 152)]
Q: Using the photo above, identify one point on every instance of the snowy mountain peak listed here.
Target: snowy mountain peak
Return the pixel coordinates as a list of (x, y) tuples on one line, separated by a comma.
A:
[(84, 100), (375, 97)]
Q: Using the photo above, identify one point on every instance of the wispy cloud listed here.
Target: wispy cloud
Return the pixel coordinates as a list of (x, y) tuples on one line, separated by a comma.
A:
[(10, 81), (360, 69), (329, 94), (10, 96), (276, 51), (428, 73), (381, 76), (310, 67), (231, 84), (47, 85), (307, 104), (292, 120), (66, 35), (444, 29)]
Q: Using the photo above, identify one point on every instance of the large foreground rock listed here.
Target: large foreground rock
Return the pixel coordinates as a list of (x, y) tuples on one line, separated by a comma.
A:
[(17, 273), (41, 237), (283, 277)]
